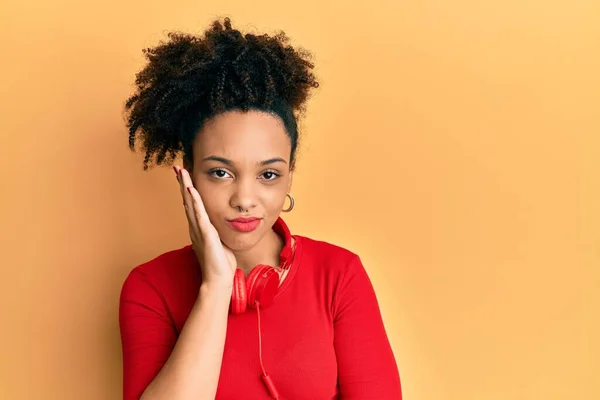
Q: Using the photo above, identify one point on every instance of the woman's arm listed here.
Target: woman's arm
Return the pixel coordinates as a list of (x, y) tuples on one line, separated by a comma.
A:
[(366, 364), (156, 364)]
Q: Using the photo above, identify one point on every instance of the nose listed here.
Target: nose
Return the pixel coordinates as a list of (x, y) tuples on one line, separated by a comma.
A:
[(243, 195)]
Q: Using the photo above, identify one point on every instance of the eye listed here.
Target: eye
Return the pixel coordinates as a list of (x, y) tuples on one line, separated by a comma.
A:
[(218, 173), (270, 175)]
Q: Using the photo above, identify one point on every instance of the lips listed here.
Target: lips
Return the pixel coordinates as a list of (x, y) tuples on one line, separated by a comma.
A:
[(244, 224)]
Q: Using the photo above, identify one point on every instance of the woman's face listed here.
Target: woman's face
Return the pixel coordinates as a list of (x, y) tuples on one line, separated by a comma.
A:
[(242, 160)]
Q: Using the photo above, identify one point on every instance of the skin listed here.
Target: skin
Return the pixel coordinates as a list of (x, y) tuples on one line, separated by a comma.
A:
[(242, 160)]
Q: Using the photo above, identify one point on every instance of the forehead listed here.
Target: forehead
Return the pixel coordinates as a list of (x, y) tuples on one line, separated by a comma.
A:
[(243, 136)]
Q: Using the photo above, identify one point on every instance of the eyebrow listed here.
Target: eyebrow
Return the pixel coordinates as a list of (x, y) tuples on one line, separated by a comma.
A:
[(229, 162)]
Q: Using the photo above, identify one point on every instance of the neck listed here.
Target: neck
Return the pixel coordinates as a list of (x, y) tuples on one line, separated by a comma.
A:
[(266, 251)]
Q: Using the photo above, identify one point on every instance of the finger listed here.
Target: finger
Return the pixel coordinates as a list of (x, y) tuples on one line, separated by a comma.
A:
[(187, 204), (193, 237), (199, 211)]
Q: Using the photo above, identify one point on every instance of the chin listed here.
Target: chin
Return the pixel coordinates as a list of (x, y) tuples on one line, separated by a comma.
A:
[(240, 241)]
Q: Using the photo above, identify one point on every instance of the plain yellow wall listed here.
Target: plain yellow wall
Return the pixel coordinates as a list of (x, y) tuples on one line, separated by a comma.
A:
[(453, 144)]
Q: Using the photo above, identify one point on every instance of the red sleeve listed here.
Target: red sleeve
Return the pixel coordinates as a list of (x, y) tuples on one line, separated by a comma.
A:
[(366, 365), (147, 334)]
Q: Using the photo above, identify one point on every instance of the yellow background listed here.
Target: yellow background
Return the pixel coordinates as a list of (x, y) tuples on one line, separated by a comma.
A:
[(453, 144)]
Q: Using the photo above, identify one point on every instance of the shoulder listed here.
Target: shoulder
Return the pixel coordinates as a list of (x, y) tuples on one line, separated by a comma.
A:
[(339, 269), (162, 270), (328, 257), (325, 250)]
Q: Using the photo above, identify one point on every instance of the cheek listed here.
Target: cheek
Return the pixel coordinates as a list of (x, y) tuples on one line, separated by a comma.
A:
[(273, 200), (213, 199)]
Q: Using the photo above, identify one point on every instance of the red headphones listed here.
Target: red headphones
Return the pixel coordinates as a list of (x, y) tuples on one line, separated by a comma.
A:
[(263, 281)]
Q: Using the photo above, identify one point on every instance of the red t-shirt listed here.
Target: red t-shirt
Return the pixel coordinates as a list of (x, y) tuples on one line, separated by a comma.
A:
[(322, 338)]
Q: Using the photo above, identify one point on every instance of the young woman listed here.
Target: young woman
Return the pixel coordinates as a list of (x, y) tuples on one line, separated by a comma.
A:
[(247, 310)]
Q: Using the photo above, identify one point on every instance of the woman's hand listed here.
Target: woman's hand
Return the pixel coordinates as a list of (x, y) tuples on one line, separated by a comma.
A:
[(217, 262)]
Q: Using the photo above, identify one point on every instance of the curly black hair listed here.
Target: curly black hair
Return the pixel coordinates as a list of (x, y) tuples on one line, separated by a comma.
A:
[(190, 79)]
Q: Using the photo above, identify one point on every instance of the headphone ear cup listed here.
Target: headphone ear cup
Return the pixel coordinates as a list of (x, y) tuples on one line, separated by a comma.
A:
[(262, 285), (239, 294)]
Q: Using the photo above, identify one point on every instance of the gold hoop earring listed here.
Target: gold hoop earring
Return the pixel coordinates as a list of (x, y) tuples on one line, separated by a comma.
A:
[(291, 203)]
